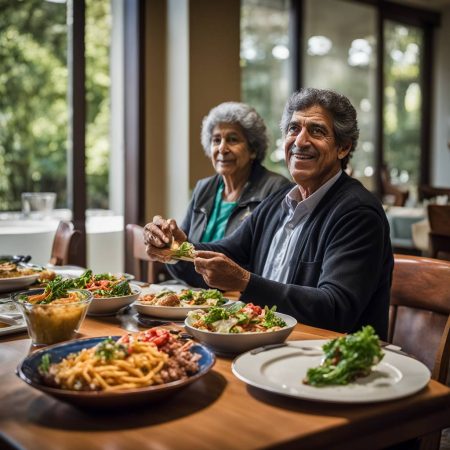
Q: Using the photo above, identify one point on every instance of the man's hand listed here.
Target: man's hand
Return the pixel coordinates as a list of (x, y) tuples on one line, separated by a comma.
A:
[(158, 235), (221, 272)]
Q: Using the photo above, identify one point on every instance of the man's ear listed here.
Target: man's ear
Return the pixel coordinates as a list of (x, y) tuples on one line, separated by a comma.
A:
[(344, 151)]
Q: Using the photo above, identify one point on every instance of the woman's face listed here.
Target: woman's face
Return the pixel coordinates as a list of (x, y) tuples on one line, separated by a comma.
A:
[(230, 153)]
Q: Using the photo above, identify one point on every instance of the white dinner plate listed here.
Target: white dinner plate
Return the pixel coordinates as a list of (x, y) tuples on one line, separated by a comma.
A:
[(168, 312), (156, 288), (15, 283), (11, 319), (282, 370)]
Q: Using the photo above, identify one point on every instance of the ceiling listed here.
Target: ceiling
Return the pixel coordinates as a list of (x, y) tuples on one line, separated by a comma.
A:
[(429, 4)]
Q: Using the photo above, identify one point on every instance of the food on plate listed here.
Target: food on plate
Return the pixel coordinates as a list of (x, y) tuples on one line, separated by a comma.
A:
[(46, 275), (347, 358), (186, 297), (54, 313), (238, 318), (12, 270), (147, 358), (185, 250)]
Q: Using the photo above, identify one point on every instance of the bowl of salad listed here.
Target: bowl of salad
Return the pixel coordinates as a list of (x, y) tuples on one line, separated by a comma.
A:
[(110, 292), (239, 327)]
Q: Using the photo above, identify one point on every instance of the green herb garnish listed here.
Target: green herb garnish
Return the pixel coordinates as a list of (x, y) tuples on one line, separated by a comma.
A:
[(110, 349), (44, 365), (271, 319)]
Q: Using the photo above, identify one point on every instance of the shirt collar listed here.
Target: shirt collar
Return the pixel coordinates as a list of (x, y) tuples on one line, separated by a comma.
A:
[(294, 200)]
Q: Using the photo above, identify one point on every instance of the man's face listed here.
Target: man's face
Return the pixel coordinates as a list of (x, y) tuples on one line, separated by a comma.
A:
[(312, 155)]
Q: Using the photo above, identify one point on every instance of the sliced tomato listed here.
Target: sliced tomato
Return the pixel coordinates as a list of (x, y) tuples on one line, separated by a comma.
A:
[(255, 309), (159, 336)]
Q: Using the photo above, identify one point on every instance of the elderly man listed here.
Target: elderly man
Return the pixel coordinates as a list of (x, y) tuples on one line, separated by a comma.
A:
[(319, 249)]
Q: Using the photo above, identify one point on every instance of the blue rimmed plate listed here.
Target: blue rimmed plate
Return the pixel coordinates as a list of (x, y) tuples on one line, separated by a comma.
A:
[(28, 372)]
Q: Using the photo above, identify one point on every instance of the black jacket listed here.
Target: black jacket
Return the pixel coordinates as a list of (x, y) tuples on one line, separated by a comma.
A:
[(343, 270)]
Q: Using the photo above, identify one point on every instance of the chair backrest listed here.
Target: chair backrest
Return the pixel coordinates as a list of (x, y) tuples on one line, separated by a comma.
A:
[(428, 192), (439, 219), (65, 243), (420, 309), (142, 268), (388, 189)]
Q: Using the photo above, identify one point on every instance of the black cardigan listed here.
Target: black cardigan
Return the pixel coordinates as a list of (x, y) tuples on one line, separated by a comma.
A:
[(261, 184), (343, 270)]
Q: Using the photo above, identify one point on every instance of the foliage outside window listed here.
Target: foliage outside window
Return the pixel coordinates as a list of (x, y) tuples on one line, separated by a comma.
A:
[(265, 67), (98, 32), (33, 101), (33, 105), (340, 54), (402, 103)]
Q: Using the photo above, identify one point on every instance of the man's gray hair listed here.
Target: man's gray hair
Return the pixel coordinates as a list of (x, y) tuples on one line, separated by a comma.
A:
[(253, 126), (345, 124)]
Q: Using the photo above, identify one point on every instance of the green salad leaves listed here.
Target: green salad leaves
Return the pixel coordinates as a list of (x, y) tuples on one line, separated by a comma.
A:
[(238, 318), (184, 250), (347, 358)]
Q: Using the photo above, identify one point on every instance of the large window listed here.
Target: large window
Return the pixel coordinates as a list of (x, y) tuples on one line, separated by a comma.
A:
[(403, 103), (98, 114), (378, 56), (34, 108), (265, 66), (33, 105), (340, 53)]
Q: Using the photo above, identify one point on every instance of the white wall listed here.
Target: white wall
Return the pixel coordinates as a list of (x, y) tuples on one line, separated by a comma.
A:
[(440, 164)]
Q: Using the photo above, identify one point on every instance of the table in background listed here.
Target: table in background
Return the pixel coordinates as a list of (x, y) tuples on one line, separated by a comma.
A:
[(216, 412), (400, 221), (104, 240)]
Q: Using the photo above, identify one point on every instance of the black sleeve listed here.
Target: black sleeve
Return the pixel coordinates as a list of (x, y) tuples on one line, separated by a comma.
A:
[(236, 246)]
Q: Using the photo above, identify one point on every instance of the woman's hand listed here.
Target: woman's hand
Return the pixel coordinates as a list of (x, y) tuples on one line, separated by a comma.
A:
[(158, 236), (221, 272)]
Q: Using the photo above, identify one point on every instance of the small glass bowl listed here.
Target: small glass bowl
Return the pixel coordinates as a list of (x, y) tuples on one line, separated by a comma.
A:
[(53, 322)]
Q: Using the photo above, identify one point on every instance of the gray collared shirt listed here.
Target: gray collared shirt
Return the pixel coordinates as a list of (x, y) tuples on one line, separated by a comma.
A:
[(281, 253)]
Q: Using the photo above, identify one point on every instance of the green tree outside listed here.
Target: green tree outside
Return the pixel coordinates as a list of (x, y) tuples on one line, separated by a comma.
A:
[(33, 101)]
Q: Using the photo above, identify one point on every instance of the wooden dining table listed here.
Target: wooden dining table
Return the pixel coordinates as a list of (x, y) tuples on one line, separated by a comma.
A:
[(218, 411)]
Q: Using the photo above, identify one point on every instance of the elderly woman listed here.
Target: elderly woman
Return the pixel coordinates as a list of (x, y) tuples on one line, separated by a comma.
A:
[(234, 136)]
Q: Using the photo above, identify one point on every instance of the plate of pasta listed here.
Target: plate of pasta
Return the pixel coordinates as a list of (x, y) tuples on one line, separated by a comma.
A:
[(114, 371), (168, 303)]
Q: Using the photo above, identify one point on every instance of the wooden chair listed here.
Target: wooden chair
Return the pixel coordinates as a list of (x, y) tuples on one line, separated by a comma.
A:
[(142, 268), (65, 244), (429, 192), (439, 219), (419, 317)]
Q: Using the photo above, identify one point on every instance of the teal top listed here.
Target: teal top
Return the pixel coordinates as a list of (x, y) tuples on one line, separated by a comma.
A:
[(218, 220)]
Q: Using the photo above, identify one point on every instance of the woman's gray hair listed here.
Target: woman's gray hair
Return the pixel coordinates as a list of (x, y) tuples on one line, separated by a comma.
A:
[(345, 124), (253, 126)]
